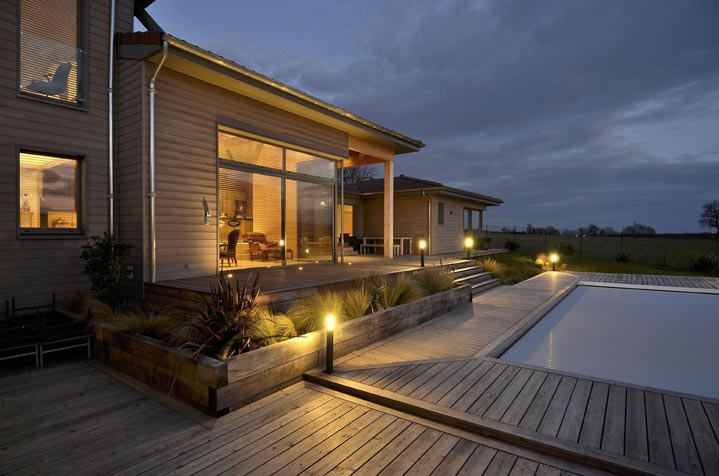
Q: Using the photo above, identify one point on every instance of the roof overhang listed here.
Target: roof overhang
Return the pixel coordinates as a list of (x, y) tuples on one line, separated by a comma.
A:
[(195, 62), (443, 191)]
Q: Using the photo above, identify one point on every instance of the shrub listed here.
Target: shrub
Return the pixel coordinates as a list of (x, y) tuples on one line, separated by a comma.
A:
[(393, 291), (565, 249), (434, 280), (150, 322), (218, 328), (356, 302), (704, 263), (623, 257), (542, 261), (511, 245), (493, 266), (105, 260), (308, 314), (77, 303), (265, 327)]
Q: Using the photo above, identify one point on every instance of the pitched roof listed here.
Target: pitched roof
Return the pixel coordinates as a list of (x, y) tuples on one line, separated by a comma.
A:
[(278, 87), (403, 183)]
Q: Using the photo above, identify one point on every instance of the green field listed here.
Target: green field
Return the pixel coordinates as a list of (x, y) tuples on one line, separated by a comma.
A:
[(519, 265), (677, 253)]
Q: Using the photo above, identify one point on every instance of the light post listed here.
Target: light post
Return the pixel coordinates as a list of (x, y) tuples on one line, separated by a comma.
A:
[(554, 258), (468, 243), (329, 358), (422, 246)]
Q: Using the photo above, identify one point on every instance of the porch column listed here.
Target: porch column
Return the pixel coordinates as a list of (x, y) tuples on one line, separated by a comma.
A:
[(388, 208)]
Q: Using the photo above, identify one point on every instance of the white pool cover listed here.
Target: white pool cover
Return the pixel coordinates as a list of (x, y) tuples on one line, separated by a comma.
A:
[(667, 340)]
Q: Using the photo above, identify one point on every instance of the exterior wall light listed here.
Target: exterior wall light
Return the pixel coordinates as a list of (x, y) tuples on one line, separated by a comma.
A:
[(329, 357), (468, 243), (554, 258), (422, 247)]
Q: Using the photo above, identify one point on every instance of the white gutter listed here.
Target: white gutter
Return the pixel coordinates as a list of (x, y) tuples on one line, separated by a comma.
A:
[(429, 223), (151, 89), (110, 134)]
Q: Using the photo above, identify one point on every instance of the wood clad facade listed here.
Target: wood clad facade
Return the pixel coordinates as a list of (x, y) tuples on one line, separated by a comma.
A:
[(411, 212), (34, 266), (188, 113)]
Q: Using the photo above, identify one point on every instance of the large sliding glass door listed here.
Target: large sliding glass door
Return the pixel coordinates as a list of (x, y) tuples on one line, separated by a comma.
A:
[(275, 204)]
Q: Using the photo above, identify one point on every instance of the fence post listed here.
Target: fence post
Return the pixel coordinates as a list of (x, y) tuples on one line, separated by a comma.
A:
[(546, 248), (581, 236)]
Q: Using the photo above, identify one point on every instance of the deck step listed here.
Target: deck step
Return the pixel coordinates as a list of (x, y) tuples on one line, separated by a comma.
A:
[(479, 288), (474, 278), (467, 271)]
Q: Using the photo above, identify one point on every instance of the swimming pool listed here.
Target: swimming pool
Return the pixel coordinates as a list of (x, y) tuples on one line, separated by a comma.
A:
[(663, 339)]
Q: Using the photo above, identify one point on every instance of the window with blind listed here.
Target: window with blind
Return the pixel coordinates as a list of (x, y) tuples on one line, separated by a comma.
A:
[(49, 193), (51, 56)]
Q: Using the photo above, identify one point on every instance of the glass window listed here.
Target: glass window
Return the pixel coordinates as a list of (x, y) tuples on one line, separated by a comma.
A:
[(310, 165), (475, 223), (440, 213), (49, 198), (50, 55), (309, 220), (239, 149)]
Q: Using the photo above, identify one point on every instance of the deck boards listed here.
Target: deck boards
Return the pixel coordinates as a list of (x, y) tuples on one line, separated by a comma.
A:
[(666, 429), (300, 430)]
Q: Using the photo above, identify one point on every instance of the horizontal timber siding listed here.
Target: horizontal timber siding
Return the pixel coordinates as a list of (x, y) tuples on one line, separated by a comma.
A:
[(187, 113), (32, 268)]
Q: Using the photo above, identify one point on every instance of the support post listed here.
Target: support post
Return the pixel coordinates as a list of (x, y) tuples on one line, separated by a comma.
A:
[(389, 209)]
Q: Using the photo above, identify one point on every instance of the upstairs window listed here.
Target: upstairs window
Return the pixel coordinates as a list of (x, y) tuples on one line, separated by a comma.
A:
[(49, 193), (51, 64)]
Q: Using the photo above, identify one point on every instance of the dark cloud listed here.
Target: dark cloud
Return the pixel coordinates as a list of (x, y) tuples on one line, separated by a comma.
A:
[(571, 111)]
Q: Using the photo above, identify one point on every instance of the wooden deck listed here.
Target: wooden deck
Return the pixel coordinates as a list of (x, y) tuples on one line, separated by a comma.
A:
[(642, 430), (650, 280), (276, 279), (77, 420), (467, 331), (457, 411)]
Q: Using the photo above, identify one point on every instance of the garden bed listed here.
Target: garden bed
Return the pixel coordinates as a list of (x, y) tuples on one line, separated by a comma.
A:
[(219, 386)]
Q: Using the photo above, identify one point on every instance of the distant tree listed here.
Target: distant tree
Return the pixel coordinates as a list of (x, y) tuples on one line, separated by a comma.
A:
[(710, 219), (552, 230), (530, 229), (638, 229), (710, 216), (356, 174), (608, 230), (593, 230)]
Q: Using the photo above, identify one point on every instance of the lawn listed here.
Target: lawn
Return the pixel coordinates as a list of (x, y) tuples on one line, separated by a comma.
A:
[(661, 252), (519, 265)]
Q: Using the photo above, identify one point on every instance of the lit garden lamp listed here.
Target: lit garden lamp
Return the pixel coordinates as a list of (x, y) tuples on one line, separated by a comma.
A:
[(422, 247), (468, 243), (282, 251), (329, 358), (554, 258)]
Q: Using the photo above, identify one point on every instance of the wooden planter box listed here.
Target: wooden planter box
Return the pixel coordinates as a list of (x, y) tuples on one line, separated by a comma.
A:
[(221, 386)]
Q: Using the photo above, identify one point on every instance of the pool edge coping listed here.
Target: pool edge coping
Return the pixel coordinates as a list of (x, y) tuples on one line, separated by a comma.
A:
[(506, 339)]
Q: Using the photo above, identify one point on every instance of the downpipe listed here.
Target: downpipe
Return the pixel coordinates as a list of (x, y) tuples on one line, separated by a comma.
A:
[(151, 194)]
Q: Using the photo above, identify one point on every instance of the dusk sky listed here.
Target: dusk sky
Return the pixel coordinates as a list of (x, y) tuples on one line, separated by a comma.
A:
[(572, 112)]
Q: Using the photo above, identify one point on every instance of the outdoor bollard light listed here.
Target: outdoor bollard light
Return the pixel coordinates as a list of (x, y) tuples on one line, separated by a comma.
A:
[(468, 243), (554, 258), (330, 343), (422, 246)]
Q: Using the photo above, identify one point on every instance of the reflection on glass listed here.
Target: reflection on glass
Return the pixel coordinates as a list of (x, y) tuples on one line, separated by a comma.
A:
[(309, 220), (239, 149)]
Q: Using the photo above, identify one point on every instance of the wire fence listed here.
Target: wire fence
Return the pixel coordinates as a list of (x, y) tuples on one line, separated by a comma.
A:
[(671, 252)]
